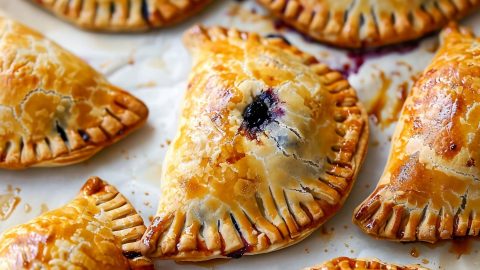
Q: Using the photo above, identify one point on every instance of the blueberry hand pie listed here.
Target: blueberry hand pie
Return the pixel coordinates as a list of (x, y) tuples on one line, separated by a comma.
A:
[(269, 144), (54, 108), (430, 188), (123, 15), (364, 23), (99, 229), (344, 263)]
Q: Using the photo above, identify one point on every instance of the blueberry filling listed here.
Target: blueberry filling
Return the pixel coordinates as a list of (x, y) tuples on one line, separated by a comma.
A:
[(237, 254), (260, 113), (145, 13), (282, 37), (61, 131), (131, 254), (85, 136), (240, 252)]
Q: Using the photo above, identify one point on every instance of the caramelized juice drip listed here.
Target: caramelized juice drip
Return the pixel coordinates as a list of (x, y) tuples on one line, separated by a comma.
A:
[(461, 247), (414, 252), (8, 202), (327, 234), (381, 102), (378, 103), (401, 96), (27, 208), (43, 208)]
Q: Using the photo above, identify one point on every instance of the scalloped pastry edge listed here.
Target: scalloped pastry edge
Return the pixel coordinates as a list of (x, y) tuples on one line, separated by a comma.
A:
[(122, 16), (354, 29)]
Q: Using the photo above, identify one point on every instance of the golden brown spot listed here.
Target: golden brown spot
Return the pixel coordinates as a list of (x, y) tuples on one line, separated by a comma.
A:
[(470, 162), (92, 186), (414, 252)]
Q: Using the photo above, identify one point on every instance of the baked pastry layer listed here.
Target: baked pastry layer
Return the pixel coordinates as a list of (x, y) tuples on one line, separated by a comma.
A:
[(269, 144), (366, 23), (99, 229), (430, 187), (344, 263), (54, 108), (123, 15)]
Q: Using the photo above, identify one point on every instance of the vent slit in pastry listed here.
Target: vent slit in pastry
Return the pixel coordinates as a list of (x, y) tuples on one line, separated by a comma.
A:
[(80, 234), (256, 143), (67, 117), (428, 190), (123, 15), (367, 23)]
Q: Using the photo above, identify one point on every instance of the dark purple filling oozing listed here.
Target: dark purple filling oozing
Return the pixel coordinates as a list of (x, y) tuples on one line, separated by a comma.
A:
[(240, 252), (282, 37), (145, 12), (61, 131), (85, 136), (260, 113), (237, 254), (131, 254)]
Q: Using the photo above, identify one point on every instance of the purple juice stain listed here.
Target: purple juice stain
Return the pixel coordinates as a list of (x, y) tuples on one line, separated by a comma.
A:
[(358, 57), (262, 111)]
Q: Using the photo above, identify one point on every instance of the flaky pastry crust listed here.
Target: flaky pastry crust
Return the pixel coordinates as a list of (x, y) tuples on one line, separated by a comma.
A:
[(344, 263), (123, 15), (99, 229), (368, 23), (430, 187), (54, 108), (269, 144)]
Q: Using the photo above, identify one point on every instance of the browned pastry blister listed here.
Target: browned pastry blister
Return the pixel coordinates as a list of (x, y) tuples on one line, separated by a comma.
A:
[(366, 23), (269, 145), (344, 263), (123, 15), (54, 108), (430, 187), (99, 229)]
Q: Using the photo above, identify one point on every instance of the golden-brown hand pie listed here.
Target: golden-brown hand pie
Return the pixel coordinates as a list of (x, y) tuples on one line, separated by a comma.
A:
[(123, 15), (99, 229), (269, 144), (54, 108), (344, 263), (364, 23), (430, 187)]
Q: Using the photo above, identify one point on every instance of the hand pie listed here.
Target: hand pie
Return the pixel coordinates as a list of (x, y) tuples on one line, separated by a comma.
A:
[(99, 229), (430, 188), (54, 108), (366, 23), (344, 263), (123, 15), (269, 144)]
